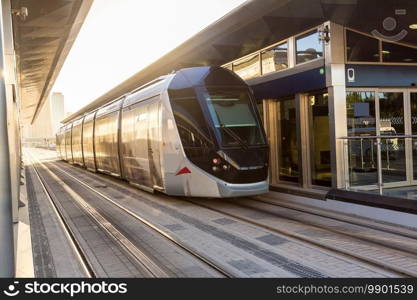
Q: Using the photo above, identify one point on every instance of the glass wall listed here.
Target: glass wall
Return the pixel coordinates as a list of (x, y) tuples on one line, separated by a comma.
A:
[(319, 139), (229, 66), (248, 67), (275, 59), (308, 47), (288, 163), (361, 47), (398, 53), (305, 47)]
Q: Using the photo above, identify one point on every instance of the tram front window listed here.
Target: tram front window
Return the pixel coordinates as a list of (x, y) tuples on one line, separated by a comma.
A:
[(234, 117)]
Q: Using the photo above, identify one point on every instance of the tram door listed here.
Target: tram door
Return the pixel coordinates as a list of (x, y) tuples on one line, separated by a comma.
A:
[(154, 144)]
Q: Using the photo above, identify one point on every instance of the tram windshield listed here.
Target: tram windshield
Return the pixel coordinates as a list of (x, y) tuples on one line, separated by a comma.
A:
[(234, 117)]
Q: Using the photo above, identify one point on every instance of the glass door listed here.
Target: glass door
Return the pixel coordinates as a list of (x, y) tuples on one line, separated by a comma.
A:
[(391, 123), (413, 124), (361, 125), (319, 143), (287, 143), (386, 113)]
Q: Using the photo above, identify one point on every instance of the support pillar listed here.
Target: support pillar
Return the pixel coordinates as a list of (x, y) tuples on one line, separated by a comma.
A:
[(336, 86), (7, 261)]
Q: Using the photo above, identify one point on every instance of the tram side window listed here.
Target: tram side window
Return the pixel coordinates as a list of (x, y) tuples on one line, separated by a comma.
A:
[(191, 124)]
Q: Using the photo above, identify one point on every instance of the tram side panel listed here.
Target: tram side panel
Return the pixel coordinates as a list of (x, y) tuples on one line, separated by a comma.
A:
[(155, 143), (172, 155), (76, 142), (134, 143), (59, 144), (62, 144), (106, 143), (68, 151), (87, 140)]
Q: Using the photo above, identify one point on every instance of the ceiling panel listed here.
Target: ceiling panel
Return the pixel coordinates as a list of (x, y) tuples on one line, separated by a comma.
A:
[(42, 42)]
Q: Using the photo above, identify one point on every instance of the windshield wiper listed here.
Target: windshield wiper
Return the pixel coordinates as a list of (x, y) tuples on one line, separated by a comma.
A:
[(235, 136)]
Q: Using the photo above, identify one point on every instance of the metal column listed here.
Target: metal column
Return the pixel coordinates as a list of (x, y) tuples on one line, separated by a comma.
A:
[(7, 268)]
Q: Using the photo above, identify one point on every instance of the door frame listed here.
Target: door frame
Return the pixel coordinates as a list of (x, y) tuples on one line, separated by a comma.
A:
[(408, 92)]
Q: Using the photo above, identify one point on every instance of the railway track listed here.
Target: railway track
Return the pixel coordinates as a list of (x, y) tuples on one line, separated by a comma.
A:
[(78, 250), (328, 241), (146, 266), (363, 222), (316, 241), (154, 270)]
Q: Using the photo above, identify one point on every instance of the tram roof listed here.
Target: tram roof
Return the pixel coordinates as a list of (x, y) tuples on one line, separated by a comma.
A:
[(258, 23)]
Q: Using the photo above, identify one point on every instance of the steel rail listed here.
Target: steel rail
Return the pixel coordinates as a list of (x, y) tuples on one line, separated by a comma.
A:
[(174, 240), (142, 259), (79, 252)]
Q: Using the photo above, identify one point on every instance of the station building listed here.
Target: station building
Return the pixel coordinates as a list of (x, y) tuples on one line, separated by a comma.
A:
[(335, 81), (339, 103)]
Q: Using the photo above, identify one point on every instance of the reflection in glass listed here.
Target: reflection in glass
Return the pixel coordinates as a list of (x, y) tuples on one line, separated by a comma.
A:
[(391, 110), (308, 47), (248, 67), (76, 143), (275, 59), (192, 128), (88, 141), (391, 106), (361, 121), (287, 141), (319, 139), (234, 117), (398, 53), (361, 47), (360, 107)]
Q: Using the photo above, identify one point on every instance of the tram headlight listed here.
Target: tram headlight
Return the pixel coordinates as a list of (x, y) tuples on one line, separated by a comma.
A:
[(225, 167), (215, 169), (216, 161)]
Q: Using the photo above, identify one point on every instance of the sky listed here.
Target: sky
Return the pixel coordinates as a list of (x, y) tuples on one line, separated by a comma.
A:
[(119, 38)]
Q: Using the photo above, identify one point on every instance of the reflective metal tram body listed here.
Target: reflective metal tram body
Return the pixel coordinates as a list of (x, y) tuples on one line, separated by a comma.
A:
[(193, 133)]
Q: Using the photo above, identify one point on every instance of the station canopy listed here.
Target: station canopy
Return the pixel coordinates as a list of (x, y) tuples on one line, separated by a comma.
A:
[(42, 42), (259, 23)]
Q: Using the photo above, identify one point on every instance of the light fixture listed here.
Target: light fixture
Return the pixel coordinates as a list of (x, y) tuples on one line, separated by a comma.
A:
[(324, 34), (20, 12), (413, 26)]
